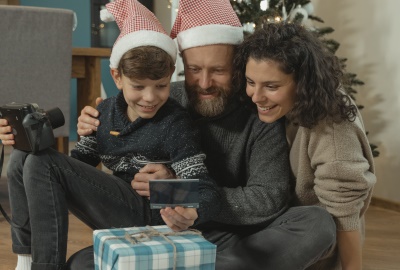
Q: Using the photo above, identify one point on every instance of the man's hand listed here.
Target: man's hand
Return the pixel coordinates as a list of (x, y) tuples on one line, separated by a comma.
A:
[(179, 218), (6, 137), (140, 182), (87, 121)]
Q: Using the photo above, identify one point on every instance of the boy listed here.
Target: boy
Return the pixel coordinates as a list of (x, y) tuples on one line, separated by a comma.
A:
[(140, 126)]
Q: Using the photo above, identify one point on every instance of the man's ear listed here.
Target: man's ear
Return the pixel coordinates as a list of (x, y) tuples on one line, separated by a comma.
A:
[(116, 77)]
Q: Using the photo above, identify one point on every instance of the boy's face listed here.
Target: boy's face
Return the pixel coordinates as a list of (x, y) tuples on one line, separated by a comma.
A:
[(144, 97)]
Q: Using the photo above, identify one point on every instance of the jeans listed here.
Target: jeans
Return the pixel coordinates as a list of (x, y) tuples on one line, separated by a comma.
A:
[(43, 187), (295, 240)]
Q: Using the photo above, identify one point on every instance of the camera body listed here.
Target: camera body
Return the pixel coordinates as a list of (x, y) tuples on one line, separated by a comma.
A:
[(32, 127)]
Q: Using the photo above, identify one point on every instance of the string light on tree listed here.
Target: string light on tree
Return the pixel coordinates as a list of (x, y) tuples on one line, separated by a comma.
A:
[(264, 5), (249, 27)]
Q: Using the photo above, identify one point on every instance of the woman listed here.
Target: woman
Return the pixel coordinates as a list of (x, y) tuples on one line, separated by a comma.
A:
[(288, 72)]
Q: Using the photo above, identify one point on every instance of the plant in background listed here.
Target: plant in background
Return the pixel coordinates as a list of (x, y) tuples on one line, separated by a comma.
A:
[(254, 13)]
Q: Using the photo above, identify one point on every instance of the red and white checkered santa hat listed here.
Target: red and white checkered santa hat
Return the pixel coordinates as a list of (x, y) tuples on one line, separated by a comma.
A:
[(139, 27), (206, 22)]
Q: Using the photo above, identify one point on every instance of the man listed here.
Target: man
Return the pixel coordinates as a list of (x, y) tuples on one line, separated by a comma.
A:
[(247, 158)]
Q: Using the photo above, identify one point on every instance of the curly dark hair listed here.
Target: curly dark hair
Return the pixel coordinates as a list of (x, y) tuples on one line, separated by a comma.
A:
[(317, 72), (146, 62)]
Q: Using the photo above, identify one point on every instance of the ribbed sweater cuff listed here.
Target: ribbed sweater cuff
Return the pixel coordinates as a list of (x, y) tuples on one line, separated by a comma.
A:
[(349, 223)]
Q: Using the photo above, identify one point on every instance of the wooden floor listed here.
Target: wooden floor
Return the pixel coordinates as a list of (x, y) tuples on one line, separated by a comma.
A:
[(381, 249)]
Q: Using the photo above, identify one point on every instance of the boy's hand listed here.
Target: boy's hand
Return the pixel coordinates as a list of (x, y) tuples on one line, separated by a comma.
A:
[(140, 182), (179, 218), (6, 137), (87, 121)]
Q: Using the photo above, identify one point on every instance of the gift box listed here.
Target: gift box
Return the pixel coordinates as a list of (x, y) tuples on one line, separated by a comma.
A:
[(152, 247)]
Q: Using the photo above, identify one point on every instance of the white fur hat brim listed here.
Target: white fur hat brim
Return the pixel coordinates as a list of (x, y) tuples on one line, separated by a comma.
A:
[(142, 38), (209, 35)]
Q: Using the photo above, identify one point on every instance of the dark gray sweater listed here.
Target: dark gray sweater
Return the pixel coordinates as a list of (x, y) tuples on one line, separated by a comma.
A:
[(249, 161)]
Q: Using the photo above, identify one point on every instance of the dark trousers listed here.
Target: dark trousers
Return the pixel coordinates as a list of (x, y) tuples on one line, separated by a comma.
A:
[(43, 187), (295, 240)]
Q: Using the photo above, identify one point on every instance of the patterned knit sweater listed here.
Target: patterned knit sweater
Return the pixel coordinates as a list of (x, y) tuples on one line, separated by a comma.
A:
[(168, 138)]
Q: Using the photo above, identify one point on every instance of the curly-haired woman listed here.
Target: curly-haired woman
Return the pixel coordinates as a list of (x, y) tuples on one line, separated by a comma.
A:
[(288, 72)]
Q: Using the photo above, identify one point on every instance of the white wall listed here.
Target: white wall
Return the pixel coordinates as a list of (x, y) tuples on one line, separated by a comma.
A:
[(163, 13), (369, 34)]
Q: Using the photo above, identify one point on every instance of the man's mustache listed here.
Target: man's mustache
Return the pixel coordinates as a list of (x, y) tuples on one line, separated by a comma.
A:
[(207, 91)]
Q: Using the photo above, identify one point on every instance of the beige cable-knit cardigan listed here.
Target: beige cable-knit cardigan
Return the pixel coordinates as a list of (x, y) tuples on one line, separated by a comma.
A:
[(334, 168)]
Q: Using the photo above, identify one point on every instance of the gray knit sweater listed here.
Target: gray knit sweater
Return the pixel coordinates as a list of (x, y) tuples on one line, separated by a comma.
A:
[(249, 161)]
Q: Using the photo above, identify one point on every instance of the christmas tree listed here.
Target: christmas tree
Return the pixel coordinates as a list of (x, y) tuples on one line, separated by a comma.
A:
[(254, 13)]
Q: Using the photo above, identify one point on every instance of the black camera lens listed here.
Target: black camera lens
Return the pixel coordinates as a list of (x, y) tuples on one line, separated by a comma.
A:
[(56, 117)]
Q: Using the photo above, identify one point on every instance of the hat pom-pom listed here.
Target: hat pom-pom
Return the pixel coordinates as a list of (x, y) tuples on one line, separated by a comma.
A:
[(106, 16)]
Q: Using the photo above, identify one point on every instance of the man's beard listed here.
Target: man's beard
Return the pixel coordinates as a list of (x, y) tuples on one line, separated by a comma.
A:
[(207, 107)]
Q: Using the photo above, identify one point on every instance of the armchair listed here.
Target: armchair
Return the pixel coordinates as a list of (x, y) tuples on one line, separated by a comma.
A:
[(35, 60)]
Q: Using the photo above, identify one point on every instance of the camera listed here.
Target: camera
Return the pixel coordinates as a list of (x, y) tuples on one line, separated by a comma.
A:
[(32, 127)]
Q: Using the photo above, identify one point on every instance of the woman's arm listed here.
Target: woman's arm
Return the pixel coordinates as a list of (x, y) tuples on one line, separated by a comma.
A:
[(349, 244), (344, 177)]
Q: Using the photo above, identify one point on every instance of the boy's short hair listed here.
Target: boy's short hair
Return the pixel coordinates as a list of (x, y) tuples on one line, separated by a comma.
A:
[(146, 62)]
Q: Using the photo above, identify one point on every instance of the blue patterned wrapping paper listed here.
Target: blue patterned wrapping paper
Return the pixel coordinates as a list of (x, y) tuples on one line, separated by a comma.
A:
[(113, 250)]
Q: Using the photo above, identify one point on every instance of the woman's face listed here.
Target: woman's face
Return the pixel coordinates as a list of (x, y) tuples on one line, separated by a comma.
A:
[(270, 89)]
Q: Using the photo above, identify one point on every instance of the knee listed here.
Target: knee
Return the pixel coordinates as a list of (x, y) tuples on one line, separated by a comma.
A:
[(38, 163), (324, 227), (320, 236), (32, 162), (16, 163), (39, 159)]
